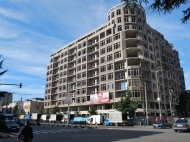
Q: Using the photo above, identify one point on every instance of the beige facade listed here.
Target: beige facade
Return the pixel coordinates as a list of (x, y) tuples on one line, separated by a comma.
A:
[(123, 52), (29, 107)]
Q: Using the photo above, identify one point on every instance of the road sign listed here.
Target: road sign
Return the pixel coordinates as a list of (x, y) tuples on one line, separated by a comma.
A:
[(20, 105)]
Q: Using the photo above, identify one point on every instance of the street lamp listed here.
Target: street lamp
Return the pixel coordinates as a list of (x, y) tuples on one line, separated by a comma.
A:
[(146, 102), (158, 95), (21, 99), (158, 99), (69, 88)]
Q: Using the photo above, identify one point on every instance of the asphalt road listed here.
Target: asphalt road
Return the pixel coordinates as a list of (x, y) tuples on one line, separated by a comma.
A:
[(103, 134)]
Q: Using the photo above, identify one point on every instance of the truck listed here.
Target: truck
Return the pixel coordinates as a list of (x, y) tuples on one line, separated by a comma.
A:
[(55, 117), (45, 117), (79, 120), (116, 118), (36, 116), (96, 119)]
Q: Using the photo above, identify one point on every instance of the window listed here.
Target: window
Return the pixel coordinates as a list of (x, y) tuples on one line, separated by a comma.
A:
[(152, 66), (120, 66), (116, 36), (138, 11), (109, 57), (139, 20), (103, 87), (83, 82), (83, 90), (112, 14), (134, 27), (79, 53), (102, 60), (78, 91), (110, 66), (83, 74), (84, 66), (110, 76), (79, 46), (146, 54), (78, 83), (65, 66), (102, 51), (103, 68), (117, 54), (103, 77), (125, 11), (118, 11), (84, 58), (108, 40), (126, 27), (79, 60), (126, 19), (121, 75), (119, 20), (110, 85), (123, 85), (102, 43), (116, 45), (79, 75), (119, 28), (151, 57), (84, 51), (133, 19), (109, 48), (78, 68)]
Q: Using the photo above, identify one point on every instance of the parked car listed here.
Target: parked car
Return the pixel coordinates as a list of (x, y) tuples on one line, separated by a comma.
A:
[(162, 124), (21, 122), (182, 124), (9, 125), (31, 121)]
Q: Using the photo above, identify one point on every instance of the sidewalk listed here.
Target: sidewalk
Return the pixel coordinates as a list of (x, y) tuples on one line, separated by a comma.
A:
[(2, 135)]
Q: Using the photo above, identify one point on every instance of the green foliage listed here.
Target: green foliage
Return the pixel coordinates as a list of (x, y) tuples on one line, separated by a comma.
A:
[(92, 111), (184, 103), (126, 105), (1, 64), (16, 112), (161, 6), (47, 111), (54, 110)]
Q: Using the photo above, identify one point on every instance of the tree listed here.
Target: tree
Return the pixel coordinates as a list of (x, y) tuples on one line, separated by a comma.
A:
[(126, 105), (16, 111), (1, 64), (54, 110), (184, 103), (47, 111), (161, 6), (92, 111)]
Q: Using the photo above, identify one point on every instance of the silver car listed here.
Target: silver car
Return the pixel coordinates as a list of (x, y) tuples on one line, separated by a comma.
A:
[(182, 124)]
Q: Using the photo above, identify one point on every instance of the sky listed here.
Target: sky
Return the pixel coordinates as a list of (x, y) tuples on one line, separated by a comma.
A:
[(31, 30)]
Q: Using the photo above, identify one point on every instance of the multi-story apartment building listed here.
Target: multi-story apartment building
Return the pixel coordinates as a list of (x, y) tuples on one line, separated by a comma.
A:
[(123, 52)]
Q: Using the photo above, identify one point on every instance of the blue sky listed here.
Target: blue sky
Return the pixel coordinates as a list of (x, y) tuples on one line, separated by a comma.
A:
[(30, 31)]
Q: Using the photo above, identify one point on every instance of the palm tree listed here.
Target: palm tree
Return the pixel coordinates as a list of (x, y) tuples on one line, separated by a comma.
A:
[(1, 64)]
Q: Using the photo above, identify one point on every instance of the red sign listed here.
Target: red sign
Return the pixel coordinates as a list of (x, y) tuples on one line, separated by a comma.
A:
[(99, 98)]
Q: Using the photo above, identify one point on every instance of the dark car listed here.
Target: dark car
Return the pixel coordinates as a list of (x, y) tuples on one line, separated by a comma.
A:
[(31, 121), (181, 125), (21, 122), (9, 125), (162, 124)]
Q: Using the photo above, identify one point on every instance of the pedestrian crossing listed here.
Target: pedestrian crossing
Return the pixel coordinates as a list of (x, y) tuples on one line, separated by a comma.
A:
[(37, 132)]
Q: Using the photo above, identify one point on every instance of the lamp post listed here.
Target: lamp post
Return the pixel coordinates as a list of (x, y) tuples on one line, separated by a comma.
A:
[(158, 99), (158, 95), (146, 103), (21, 99), (69, 87), (171, 91)]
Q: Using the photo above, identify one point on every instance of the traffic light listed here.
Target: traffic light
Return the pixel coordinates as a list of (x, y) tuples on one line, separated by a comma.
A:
[(20, 85)]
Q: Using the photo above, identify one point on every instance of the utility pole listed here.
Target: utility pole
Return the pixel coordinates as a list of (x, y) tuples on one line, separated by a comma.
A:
[(158, 95), (146, 103), (69, 87)]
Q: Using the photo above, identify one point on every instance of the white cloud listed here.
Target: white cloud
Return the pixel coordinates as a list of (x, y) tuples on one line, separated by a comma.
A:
[(13, 14)]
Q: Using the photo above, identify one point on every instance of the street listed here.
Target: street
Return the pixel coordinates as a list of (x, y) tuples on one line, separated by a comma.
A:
[(46, 133)]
